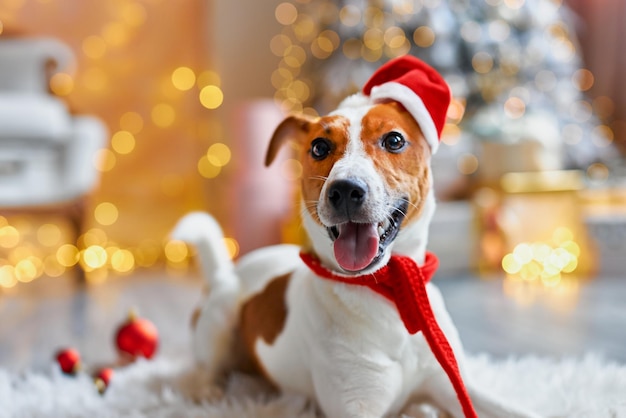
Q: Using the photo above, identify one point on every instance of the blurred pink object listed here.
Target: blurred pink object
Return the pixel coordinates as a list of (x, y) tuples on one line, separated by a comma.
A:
[(262, 197)]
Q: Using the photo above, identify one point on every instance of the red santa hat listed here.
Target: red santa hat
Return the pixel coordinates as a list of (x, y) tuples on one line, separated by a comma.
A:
[(419, 88)]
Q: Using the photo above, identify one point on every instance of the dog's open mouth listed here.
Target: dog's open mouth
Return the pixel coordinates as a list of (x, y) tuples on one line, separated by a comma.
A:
[(358, 246)]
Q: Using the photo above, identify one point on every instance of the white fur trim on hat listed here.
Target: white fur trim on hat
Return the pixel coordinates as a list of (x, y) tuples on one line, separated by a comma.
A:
[(413, 104)]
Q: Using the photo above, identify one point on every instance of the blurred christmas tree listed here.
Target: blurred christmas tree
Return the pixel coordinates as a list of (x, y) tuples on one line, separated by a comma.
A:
[(513, 66)]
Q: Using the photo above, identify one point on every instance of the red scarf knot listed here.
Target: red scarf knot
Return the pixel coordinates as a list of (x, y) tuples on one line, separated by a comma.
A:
[(403, 282)]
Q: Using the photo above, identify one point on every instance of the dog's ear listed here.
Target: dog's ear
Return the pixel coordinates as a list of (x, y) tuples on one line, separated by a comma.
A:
[(294, 128)]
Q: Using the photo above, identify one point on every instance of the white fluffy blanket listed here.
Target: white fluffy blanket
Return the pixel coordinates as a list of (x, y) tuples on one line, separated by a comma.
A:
[(585, 387)]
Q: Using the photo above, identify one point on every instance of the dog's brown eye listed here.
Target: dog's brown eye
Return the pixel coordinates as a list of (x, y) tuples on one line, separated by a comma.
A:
[(393, 142), (320, 148)]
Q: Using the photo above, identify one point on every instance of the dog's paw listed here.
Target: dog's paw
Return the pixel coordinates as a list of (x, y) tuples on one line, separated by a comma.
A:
[(199, 387)]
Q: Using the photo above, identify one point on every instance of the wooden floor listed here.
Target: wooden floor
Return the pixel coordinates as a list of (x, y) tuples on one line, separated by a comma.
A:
[(39, 318)]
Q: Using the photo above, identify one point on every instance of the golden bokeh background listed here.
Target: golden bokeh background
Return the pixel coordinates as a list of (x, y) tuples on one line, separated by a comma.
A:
[(144, 68)]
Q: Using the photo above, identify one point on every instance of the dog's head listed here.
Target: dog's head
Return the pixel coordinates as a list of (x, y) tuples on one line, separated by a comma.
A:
[(366, 181)]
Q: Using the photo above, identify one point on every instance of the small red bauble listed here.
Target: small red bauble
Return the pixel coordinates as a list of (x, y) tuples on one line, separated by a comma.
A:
[(102, 378), (69, 360), (137, 337)]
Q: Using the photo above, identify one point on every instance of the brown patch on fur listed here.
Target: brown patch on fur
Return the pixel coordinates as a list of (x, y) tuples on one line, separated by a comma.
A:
[(262, 316), (405, 172), (315, 173), (302, 131)]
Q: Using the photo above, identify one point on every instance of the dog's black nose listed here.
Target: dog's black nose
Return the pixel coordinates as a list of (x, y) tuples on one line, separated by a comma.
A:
[(347, 196)]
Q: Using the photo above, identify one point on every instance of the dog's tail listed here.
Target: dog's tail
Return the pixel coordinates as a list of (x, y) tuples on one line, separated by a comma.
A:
[(202, 231), (217, 316)]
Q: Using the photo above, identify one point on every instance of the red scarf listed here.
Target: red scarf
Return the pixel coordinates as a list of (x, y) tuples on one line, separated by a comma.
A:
[(403, 282)]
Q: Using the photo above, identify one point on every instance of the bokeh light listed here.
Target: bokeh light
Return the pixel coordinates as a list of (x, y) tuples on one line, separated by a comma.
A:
[(211, 97), (106, 213), (183, 78)]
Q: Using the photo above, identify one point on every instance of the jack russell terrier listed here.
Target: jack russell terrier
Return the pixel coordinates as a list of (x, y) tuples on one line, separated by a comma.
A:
[(350, 320)]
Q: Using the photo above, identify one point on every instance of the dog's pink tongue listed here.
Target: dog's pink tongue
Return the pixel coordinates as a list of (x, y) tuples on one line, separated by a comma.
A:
[(356, 246)]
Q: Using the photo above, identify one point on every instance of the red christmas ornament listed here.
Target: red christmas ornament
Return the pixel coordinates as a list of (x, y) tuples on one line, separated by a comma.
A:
[(102, 378), (69, 360), (137, 337)]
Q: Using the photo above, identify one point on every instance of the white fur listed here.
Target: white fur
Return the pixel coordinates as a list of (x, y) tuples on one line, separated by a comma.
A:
[(344, 346), (213, 336), (414, 104)]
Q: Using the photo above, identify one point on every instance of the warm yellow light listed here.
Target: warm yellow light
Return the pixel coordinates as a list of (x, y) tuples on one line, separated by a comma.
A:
[(115, 34), (104, 160), (106, 213), (131, 122), (352, 48), (286, 13), (394, 37), (61, 84), (94, 256), (94, 47), (134, 13), (94, 236), (67, 255), (482, 62), (373, 38), (571, 247), (232, 246), (123, 142), (176, 251), (350, 15), (183, 78), (456, 110), (523, 253), (163, 115), (562, 235), (295, 56), (25, 270), (122, 261), (207, 169), (219, 154), (9, 236), (511, 264), (48, 235), (540, 251), (211, 97), (424, 36), (322, 48), (7, 277), (467, 164), (531, 271), (571, 265), (278, 45)]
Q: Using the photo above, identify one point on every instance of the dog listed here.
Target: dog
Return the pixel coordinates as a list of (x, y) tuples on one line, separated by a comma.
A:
[(323, 320)]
